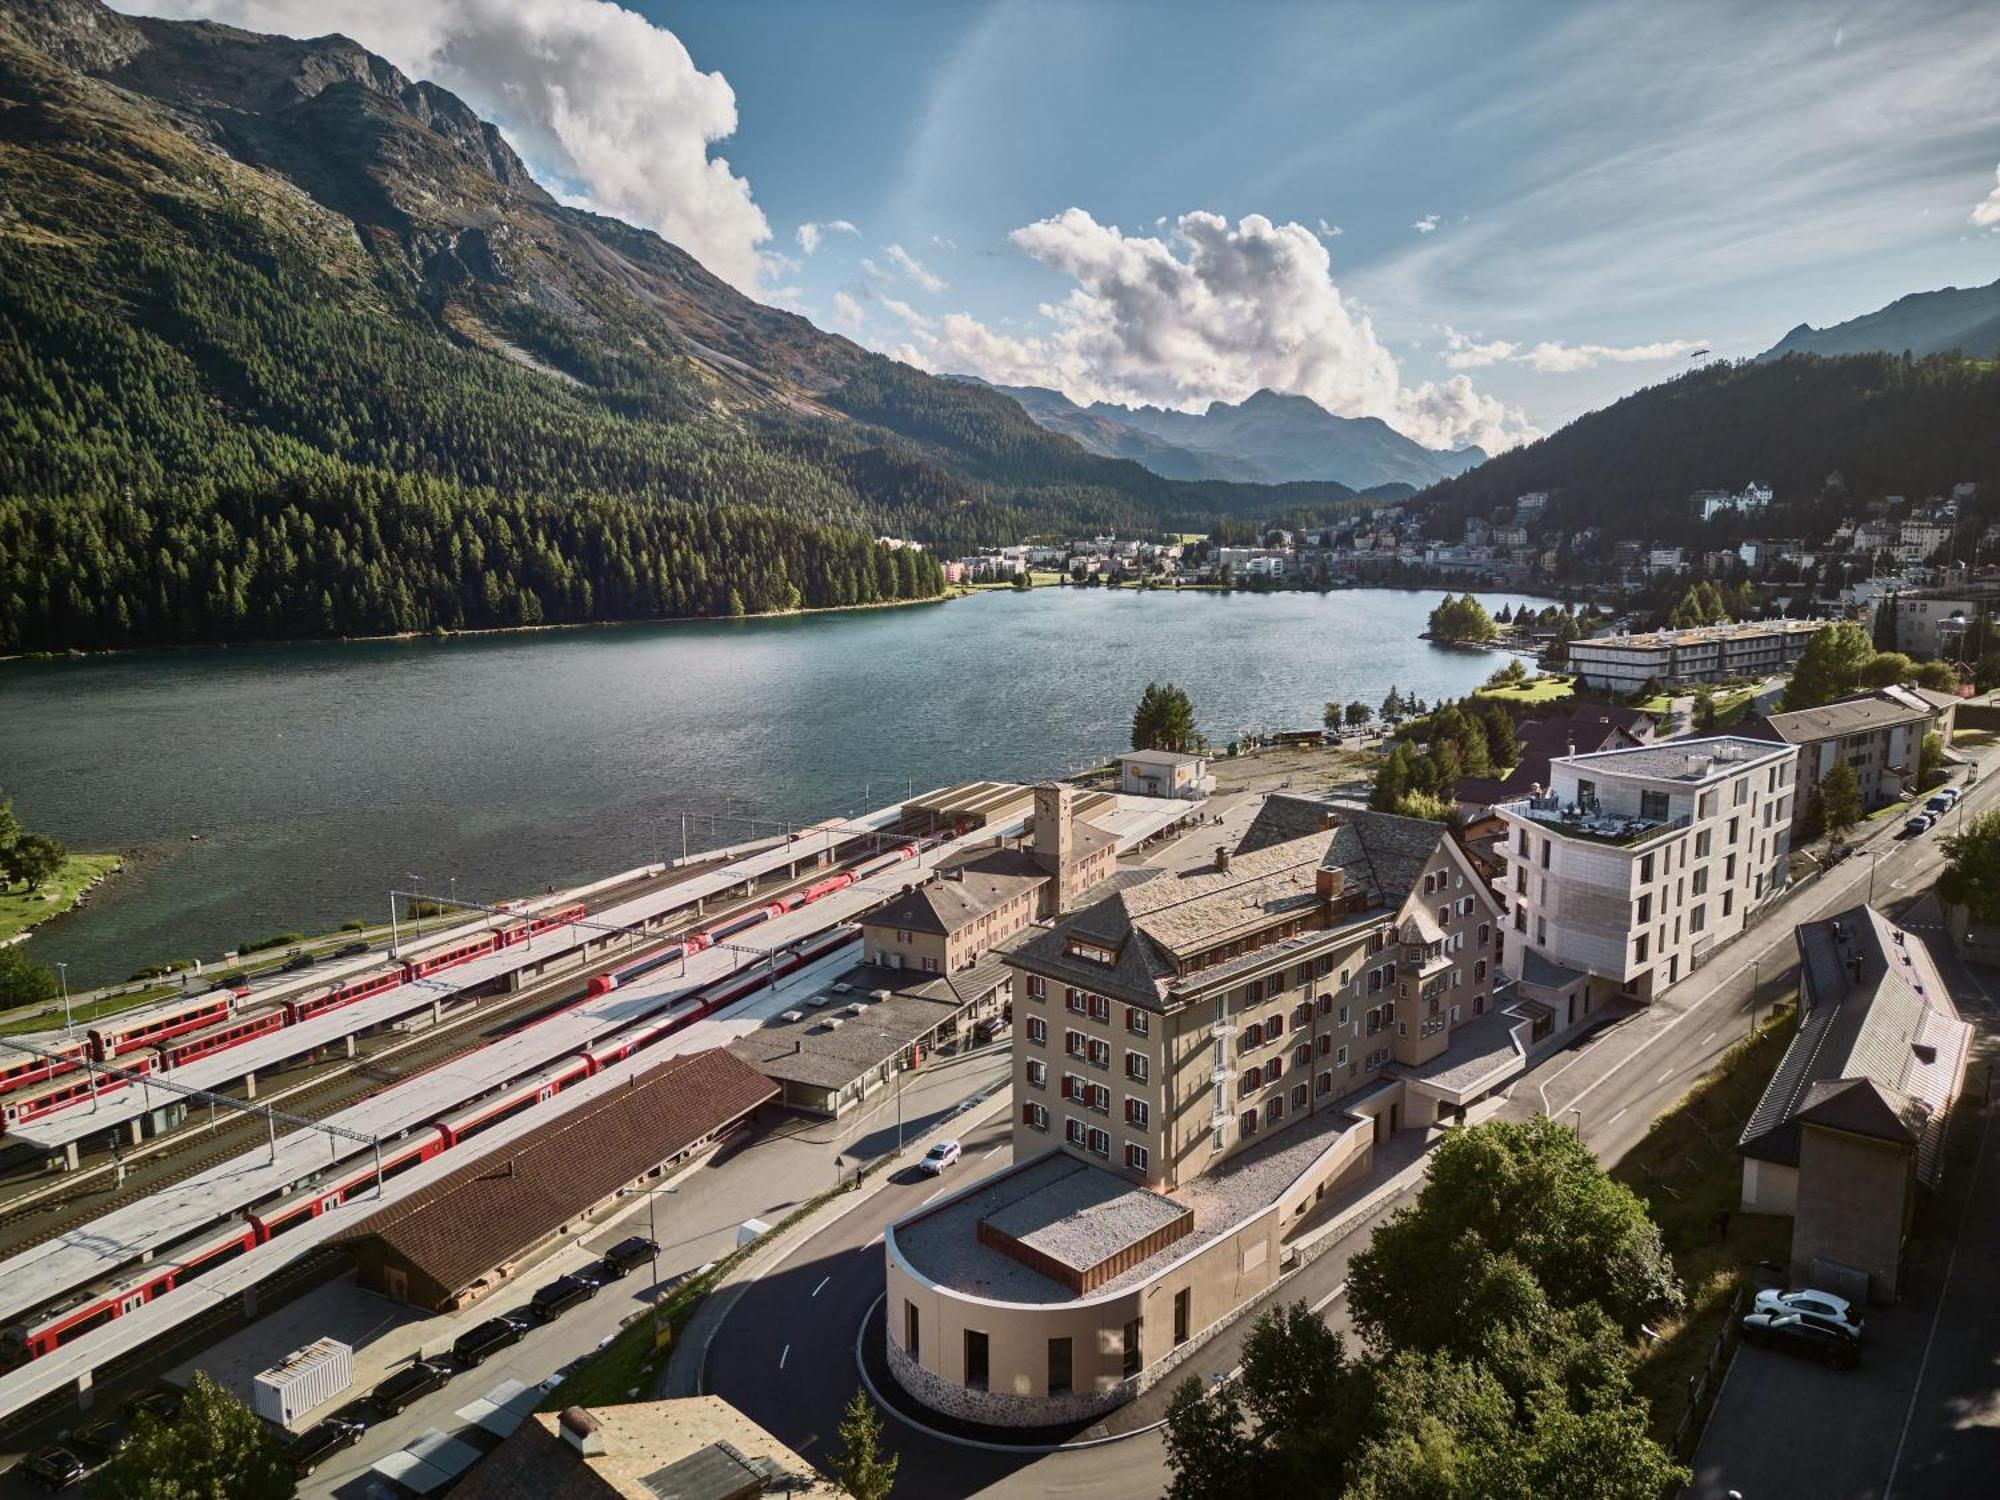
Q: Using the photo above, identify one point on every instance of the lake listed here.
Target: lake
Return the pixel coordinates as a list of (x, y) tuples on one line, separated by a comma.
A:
[(319, 776)]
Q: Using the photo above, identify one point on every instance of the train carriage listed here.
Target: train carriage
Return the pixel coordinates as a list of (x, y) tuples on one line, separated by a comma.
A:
[(363, 988), (65, 1092), (242, 1027), (111, 1038), (27, 1069)]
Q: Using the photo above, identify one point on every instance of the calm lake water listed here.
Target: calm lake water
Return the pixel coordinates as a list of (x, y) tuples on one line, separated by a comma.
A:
[(318, 776)]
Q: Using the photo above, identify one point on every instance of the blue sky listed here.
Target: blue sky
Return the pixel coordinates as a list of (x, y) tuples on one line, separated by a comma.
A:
[(1538, 206)]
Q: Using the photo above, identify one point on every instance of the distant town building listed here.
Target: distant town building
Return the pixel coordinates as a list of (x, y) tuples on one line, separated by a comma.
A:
[(1634, 863), (1666, 560), (1751, 498), (1702, 653), (1880, 735), (1917, 539), (1932, 625), (1164, 773)]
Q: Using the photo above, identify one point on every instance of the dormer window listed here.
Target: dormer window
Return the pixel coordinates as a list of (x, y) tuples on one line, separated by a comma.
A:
[(1090, 952)]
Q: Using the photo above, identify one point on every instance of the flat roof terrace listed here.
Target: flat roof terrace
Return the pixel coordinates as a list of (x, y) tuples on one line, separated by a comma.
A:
[(1072, 1211)]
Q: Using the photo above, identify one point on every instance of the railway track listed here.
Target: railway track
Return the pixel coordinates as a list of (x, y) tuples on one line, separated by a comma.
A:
[(34, 1217)]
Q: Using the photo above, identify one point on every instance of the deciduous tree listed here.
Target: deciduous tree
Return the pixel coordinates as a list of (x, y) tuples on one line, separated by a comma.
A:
[(216, 1448), (1839, 800)]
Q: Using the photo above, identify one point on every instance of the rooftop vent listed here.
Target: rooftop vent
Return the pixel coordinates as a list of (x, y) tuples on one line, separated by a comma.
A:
[(857, 1008), (833, 1023), (1698, 764), (843, 988), (793, 1015), (820, 1001), (878, 996), (581, 1432), (1222, 858)]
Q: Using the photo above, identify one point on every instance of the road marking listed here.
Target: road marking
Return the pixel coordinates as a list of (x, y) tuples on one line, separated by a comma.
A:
[(938, 1194), (822, 1285), (1666, 1075), (785, 1356), (1710, 1037), (873, 1243), (1620, 1115), (991, 1149)]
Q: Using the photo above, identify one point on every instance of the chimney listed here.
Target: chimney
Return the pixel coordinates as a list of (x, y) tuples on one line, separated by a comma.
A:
[(580, 1431), (1329, 882), (1222, 858)]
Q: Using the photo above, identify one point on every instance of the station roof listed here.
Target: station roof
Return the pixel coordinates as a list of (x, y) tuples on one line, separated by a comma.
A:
[(812, 1052), (493, 1206)]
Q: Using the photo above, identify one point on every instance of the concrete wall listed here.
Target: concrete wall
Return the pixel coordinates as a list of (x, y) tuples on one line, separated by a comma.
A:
[(1769, 1187), (1853, 1205)]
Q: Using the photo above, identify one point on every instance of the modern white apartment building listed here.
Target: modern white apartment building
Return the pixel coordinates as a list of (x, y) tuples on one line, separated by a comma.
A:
[(1632, 864), (1703, 653)]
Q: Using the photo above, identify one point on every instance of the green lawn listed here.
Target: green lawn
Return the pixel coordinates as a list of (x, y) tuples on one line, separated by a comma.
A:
[(1974, 737), (1687, 1169), (21, 909), (1540, 690)]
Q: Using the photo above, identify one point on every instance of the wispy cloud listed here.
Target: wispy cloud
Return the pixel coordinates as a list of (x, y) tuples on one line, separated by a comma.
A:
[(1328, 231), (813, 235), (1986, 213), (1426, 224), (1554, 356), (915, 269)]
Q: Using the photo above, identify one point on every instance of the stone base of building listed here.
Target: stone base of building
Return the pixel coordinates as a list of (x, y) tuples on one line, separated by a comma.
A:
[(1002, 1408)]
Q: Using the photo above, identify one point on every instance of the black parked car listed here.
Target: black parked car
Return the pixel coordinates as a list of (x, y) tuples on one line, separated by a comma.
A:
[(97, 1440), (316, 1445), (407, 1384), (1805, 1333), (475, 1345), (53, 1468), (560, 1295), (163, 1401), (628, 1255), (349, 950), (296, 962)]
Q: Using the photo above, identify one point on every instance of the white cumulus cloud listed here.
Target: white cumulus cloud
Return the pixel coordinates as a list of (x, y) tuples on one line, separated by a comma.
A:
[(1986, 213), (812, 235), (915, 269), (1213, 311), (597, 96), (1426, 224), (848, 313)]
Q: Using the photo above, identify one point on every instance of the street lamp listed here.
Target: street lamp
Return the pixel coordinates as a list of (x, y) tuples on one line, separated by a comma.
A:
[(1577, 1111), (62, 969), (1874, 858), (417, 901)]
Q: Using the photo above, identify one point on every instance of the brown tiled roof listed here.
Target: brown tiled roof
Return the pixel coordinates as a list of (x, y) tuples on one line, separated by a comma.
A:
[(472, 1220), (962, 892)]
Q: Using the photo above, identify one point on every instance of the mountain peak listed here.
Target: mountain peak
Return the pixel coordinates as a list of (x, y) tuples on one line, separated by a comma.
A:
[(1966, 319)]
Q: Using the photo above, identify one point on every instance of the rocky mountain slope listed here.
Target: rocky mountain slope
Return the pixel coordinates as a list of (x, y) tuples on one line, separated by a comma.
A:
[(261, 296), (1951, 319)]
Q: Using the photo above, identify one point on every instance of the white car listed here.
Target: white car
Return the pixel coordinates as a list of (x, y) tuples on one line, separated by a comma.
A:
[(1806, 1300), (940, 1156)]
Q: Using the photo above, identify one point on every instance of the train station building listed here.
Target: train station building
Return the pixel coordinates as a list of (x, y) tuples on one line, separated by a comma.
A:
[(467, 1234)]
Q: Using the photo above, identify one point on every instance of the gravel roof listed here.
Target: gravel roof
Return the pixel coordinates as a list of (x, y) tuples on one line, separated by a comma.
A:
[(944, 1245), (1669, 760), (1083, 1218), (1483, 1052), (811, 1052)]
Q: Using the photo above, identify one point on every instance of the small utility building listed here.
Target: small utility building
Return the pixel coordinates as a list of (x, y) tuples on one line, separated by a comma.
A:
[(451, 1243)]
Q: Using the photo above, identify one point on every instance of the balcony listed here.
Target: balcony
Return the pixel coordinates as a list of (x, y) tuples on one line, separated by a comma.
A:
[(1570, 821), (1431, 1026)]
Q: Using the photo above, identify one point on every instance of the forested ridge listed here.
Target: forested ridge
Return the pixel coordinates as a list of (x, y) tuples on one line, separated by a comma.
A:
[(1884, 424)]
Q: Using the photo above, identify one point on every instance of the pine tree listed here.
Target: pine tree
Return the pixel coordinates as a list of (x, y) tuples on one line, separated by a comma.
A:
[(861, 1468)]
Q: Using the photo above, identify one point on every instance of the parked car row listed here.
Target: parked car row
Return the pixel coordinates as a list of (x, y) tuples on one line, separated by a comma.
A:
[(90, 1444), (477, 1345), (1925, 818)]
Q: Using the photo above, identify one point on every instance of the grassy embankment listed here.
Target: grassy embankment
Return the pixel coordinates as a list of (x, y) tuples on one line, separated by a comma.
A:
[(1687, 1169), (1537, 690), (21, 908)]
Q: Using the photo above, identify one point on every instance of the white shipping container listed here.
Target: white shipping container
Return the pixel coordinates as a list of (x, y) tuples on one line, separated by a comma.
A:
[(303, 1380)]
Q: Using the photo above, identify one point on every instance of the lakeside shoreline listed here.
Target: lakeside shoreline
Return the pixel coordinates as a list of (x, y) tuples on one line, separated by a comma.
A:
[(17, 926)]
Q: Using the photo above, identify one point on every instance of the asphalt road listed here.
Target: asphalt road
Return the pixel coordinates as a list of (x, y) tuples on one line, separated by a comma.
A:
[(785, 1353)]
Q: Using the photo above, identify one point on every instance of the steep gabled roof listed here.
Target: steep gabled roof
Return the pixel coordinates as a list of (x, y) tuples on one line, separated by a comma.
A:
[(1876, 1013)]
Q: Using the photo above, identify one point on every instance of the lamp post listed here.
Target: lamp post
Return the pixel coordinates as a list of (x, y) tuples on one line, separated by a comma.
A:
[(1577, 1111), (417, 900), (62, 969), (1874, 858)]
